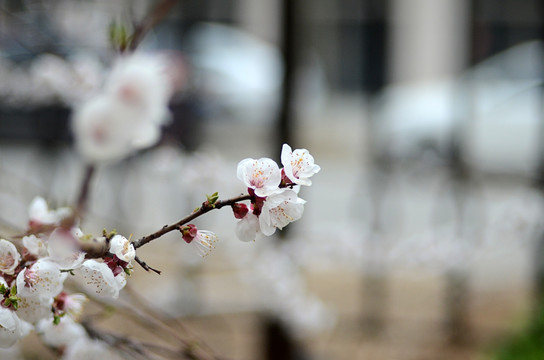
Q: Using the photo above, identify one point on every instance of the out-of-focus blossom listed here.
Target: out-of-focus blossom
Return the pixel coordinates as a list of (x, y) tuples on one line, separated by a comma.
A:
[(63, 249), (62, 334), (73, 304), (142, 81), (9, 257), (128, 114), (68, 81), (40, 214), (88, 349), (11, 353), (51, 79), (11, 328), (35, 246)]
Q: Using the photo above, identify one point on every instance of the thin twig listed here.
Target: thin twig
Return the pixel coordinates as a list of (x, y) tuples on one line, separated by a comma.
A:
[(188, 350), (84, 190), (152, 19), (146, 267), (164, 319), (115, 340), (205, 208)]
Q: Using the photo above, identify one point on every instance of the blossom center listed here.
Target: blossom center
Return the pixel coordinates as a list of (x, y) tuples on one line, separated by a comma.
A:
[(31, 278), (7, 261)]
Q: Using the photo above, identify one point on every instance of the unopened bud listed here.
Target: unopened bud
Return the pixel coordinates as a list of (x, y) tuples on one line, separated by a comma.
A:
[(188, 232), (240, 210)]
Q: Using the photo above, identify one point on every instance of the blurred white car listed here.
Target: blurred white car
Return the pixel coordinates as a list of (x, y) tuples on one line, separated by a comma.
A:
[(495, 108)]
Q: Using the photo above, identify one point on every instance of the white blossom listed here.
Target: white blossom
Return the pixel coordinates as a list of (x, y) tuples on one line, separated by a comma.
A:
[(43, 279), (40, 214), (73, 305), (142, 81), (279, 210), (106, 129), (298, 165), (262, 175), (122, 248), (128, 114), (9, 257), (35, 245), (204, 242), (63, 249), (98, 278), (52, 79), (11, 328), (88, 349), (120, 280), (11, 353), (34, 308), (62, 334), (248, 228)]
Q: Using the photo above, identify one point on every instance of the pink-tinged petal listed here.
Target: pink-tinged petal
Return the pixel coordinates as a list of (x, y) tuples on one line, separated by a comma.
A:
[(62, 334), (42, 279), (204, 242), (9, 257), (73, 305), (122, 248), (40, 214), (11, 328), (35, 246), (63, 248), (34, 308), (279, 210), (263, 175), (98, 278), (248, 228), (299, 165)]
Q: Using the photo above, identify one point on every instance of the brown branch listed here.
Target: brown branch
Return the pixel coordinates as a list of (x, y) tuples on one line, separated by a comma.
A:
[(205, 208), (117, 340), (186, 350), (152, 19), (146, 267), (98, 248), (84, 190)]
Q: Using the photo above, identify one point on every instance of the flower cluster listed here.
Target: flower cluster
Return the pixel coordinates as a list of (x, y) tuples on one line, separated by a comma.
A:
[(274, 192), (34, 269), (32, 277), (128, 113)]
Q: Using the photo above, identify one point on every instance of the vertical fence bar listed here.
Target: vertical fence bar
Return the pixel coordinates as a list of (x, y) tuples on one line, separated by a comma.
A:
[(538, 272), (278, 342), (374, 65), (286, 119)]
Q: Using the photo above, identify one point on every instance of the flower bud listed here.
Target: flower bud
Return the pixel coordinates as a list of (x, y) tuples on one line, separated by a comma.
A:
[(240, 210), (188, 232)]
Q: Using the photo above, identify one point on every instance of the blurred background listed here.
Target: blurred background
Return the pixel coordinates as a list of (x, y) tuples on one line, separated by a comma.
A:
[(422, 236)]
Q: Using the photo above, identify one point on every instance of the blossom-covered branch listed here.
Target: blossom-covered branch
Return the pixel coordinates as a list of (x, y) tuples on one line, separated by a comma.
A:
[(32, 281), (126, 115)]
